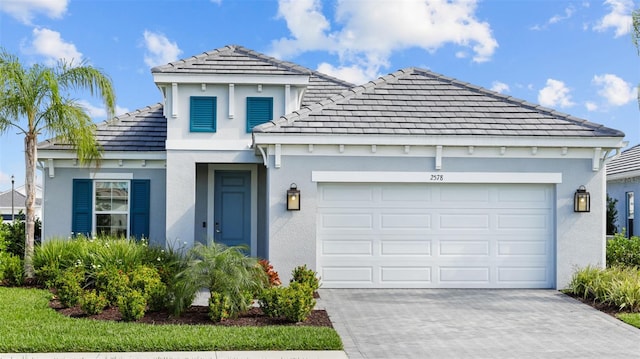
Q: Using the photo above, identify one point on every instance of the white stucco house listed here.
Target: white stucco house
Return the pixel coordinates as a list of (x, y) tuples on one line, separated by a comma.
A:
[(413, 180)]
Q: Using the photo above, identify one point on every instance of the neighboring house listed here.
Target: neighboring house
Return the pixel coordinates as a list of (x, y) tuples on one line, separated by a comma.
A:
[(412, 180), (19, 200), (623, 182)]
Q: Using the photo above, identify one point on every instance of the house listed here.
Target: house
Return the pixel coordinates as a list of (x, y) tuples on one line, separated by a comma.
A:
[(623, 181), (17, 203), (411, 180)]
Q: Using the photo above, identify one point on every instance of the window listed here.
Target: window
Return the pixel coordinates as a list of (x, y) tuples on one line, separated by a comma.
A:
[(259, 110), (112, 207), (202, 112)]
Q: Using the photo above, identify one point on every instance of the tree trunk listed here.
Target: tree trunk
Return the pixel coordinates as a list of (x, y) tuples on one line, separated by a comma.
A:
[(30, 180)]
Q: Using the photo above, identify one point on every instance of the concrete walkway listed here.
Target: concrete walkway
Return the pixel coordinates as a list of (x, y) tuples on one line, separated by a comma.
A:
[(439, 323)]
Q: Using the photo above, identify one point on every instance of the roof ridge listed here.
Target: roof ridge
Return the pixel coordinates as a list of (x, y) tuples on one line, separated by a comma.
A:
[(116, 119), (516, 101), (343, 96)]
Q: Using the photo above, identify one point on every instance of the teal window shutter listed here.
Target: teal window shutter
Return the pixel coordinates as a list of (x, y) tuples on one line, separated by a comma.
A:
[(202, 112), (82, 210), (140, 205), (259, 110)]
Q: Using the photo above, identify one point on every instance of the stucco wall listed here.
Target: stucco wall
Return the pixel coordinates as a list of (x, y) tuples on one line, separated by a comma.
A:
[(57, 207), (292, 235)]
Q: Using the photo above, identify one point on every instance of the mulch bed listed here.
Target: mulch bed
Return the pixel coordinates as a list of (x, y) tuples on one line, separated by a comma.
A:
[(197, 315)]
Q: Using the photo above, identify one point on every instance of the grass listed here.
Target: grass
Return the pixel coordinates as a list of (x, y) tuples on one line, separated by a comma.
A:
[(630, 318), (30, 326)]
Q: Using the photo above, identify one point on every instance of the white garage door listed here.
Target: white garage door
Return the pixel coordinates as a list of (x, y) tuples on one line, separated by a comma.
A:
[(401, 235)]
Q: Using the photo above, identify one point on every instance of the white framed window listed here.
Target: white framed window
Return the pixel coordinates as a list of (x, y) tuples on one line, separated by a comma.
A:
[(111, 207)]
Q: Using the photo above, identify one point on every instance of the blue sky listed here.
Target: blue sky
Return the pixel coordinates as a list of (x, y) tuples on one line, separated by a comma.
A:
[(574, 56)]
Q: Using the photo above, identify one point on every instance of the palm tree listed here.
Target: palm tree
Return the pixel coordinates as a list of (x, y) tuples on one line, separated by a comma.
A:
[(37, 100)]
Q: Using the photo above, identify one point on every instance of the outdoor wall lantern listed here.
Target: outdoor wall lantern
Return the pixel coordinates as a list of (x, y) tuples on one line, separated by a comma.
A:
[(293, 198), (581, 200)]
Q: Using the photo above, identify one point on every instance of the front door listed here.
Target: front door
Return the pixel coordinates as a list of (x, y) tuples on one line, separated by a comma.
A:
[(232, 208)]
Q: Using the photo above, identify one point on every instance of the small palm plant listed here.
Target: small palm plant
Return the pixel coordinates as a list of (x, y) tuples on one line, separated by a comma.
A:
[(225, 271)]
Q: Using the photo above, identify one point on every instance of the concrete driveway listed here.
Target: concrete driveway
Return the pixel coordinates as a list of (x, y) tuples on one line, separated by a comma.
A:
[(470, 323)]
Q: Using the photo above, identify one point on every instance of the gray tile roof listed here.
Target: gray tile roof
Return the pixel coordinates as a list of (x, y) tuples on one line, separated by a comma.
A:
[(238, 60), (19, 200), (627, 162), (146, 129), (142, 130), (419, 102)]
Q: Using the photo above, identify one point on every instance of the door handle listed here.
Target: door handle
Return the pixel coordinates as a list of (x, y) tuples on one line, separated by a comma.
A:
[(217, 227)]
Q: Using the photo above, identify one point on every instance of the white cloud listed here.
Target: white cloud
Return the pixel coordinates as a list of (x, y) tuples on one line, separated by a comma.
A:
[(159, 49), (615, 90), (99, 111), (591, 106), (25, 10), (619, 18), (354, 74), (500, 87), (49, 43), (370, 31), (568, 13), (555, 93)]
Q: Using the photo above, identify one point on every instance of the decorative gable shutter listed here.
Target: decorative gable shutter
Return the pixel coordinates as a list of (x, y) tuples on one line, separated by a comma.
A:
[(259, 111), (82, 207), (203, 114), (140, 203)]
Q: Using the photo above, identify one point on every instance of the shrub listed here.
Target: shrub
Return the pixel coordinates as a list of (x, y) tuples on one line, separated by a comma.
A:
[(219, 307), (69, 286), (148, 282), (304, 275), (132, 305), (92, 302), (272, 275), (294, 303), (11, 269), (624, 289), (113, 282), (612, 215), (616, 286), (221, 269), (623, 251), (14, 234)]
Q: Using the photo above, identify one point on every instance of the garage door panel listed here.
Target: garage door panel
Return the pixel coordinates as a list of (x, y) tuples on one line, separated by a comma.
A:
[(407, 248), (352, 274), (405, 221), (463, 221), (462, 274), (345, 221), (346, 193), (523, 221), (453, 195), (523, 275), (405, 275), (405, 194), (526, 248), (464, 248), (539, 197), (503, 238), (347, 247)]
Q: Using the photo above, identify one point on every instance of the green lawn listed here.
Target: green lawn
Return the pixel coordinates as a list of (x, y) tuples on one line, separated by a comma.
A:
[(630, 318), (29, 325)]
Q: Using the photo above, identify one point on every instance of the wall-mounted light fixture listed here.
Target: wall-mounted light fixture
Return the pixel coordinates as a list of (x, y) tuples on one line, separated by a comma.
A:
[(582, 200), (293, 198)]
